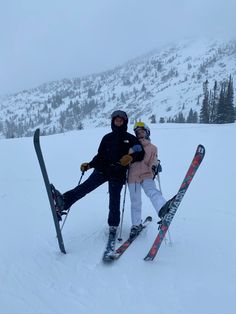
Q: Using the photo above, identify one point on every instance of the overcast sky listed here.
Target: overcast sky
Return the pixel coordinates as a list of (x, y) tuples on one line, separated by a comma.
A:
[(48, 40)]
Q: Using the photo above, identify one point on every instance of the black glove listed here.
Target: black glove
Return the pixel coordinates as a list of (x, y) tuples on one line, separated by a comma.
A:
[(156, 169)]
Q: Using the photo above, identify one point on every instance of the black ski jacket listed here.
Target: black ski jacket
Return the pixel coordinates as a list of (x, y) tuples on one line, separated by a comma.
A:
[(113, 146)]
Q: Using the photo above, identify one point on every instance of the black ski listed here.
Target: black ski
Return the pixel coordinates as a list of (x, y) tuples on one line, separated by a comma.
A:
[(175, 202), (119, 251), (48, 188)]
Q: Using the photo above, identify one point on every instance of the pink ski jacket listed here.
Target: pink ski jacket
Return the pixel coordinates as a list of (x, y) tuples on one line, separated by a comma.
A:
[(141, 170)]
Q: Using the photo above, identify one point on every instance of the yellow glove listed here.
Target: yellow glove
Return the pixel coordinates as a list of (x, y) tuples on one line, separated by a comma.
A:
[(84, 166), (126, 160)]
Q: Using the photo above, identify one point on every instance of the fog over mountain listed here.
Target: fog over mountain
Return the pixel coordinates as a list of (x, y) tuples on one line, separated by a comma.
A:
[(159, 85), (41, 41)]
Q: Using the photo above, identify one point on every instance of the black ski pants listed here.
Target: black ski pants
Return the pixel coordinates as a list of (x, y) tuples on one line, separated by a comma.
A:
[(95, 180)]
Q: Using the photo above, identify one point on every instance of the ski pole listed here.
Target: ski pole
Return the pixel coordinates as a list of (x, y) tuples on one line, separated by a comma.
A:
[(82, 174), (123, 206), (159, 183)]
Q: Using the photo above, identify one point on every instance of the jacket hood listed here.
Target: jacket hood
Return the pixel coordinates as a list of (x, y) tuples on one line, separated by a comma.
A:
[(119, 129)]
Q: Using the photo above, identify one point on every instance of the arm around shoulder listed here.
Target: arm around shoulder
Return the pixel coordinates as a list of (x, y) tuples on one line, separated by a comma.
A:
[(137, 150)]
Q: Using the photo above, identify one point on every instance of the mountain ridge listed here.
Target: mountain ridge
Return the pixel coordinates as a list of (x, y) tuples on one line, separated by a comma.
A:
[(160, 84)]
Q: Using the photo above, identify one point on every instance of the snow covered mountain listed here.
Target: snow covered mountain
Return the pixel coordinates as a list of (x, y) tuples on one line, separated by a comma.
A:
[(160, 84)]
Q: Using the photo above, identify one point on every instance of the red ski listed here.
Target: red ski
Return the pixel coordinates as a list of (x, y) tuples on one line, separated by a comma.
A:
[(128, 242), (166, 221)]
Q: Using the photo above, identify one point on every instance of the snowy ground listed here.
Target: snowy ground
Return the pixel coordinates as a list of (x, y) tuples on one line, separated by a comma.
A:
[(197, 274)]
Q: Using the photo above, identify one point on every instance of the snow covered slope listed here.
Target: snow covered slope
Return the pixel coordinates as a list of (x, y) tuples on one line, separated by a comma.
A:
[(197, 274)]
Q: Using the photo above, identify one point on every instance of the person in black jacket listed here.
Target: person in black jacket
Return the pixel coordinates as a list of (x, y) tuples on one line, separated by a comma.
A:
[(110, 165)]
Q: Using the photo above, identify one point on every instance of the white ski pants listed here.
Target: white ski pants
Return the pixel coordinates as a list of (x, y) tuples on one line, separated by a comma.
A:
[(150, 189)]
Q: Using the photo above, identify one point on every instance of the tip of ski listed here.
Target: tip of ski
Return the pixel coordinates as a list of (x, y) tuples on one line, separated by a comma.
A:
[(201, 150)]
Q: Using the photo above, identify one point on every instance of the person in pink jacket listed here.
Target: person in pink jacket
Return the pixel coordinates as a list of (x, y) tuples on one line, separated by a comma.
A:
[(141, 176)]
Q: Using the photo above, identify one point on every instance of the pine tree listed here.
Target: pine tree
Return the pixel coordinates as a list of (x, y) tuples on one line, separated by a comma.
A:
[(229, 101), (190, 116), (204, 112), (153, 118), (221, 113), (180, 118), (195, 117), (225, 106), (122, 98), (213, 104), (91, 92), (143, 89)]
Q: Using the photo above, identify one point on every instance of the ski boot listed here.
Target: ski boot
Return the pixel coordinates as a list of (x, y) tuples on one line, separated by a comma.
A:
[(135, 230), (108, 255), (59, 203), (165, 210)]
